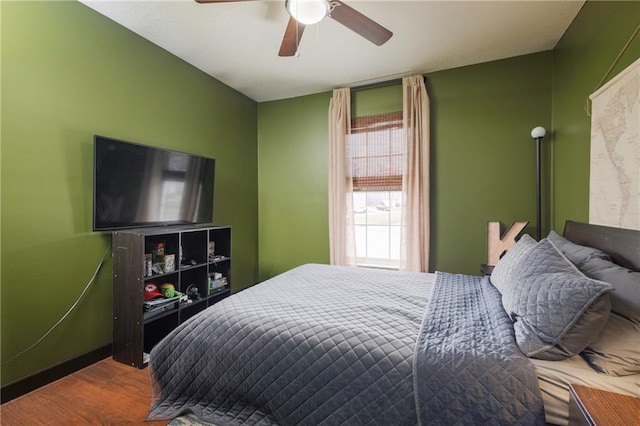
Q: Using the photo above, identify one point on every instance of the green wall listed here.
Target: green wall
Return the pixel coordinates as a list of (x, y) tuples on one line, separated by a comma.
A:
[(483, 156), (580, 61), (483, 161), (381, 100), (69, 73), (292, 176)]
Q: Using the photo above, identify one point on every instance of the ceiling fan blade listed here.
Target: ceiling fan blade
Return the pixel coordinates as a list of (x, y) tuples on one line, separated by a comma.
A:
[(291, 39), (357, 22)]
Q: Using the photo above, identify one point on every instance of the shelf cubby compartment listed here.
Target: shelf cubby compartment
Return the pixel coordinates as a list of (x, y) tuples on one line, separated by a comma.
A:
[(196, 276), (156, 330), (194, 248)]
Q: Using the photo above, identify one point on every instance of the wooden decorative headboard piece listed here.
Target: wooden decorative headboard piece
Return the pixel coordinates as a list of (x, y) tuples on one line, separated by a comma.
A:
[(623, 245)]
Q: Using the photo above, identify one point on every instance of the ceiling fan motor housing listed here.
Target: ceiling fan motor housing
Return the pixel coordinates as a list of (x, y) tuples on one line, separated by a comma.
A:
[(307, 12)]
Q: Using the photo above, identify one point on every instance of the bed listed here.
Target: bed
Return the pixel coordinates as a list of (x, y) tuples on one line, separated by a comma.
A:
[(337, 345)]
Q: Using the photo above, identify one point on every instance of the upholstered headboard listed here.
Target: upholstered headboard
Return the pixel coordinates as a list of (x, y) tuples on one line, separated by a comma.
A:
[(623, 245)]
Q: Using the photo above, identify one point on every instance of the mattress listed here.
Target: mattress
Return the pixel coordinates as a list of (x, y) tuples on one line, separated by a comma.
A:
[(555, 377)]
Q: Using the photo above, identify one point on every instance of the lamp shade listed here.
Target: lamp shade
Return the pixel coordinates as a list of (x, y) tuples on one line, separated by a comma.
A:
[(307, 11), (538, 132)]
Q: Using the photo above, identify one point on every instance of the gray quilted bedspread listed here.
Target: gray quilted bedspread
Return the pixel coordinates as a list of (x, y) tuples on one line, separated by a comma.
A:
[(468, 368), (317, 345)]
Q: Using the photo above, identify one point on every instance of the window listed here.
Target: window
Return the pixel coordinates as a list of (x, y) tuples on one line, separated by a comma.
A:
[(377, 158), (374, 158)]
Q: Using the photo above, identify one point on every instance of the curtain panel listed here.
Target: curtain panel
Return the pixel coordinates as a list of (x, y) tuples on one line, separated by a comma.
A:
[(414, 244), (342, 245)]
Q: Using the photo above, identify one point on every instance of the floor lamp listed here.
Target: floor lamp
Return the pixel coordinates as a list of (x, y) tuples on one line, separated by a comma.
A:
[(537, 134)]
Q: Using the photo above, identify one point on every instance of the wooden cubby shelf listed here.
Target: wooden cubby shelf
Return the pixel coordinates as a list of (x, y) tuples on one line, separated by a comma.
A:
[(200, 257)]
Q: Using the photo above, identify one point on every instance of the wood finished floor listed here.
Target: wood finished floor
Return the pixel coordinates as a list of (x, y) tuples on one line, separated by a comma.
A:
[(105, 393)]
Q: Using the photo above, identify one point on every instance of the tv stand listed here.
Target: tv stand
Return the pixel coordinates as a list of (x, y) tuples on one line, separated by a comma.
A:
[(196, 257)]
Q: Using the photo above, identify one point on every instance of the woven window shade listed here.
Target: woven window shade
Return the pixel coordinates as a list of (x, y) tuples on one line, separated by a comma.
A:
[(377, 152)]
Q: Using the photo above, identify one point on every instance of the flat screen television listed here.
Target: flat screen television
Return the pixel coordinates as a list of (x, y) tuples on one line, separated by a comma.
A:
[(140, 186)]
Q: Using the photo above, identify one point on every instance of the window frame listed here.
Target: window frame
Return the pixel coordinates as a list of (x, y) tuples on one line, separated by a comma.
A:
[(383, 172)]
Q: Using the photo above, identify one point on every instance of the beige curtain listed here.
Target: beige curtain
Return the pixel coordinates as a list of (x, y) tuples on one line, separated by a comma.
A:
[(342, 246), (414, 244)]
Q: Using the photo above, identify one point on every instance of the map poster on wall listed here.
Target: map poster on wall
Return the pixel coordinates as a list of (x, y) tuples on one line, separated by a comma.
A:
[(614, 190)]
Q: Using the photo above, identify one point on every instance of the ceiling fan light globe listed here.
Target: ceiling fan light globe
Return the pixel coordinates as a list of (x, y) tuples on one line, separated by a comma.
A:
[(307, 12), (538, 132)]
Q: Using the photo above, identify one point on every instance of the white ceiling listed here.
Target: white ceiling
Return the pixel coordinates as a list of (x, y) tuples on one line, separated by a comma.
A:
[(238, 42)]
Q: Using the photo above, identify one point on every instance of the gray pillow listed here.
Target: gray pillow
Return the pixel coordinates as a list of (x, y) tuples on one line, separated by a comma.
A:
[(625, 299), (557, 310), (504, 270), (574, 252)]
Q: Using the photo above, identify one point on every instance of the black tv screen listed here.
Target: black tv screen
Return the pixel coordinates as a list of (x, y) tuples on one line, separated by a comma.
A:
[(139, 186)]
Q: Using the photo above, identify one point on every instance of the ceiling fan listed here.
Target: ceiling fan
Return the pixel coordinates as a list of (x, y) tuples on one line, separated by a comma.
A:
[(307, 12)]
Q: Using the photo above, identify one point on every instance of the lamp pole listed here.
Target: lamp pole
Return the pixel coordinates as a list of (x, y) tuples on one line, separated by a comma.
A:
[(537, 134)]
